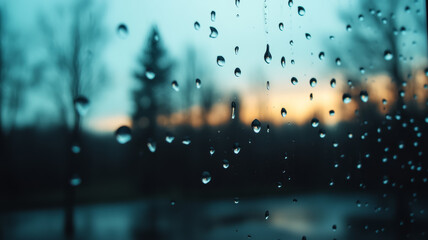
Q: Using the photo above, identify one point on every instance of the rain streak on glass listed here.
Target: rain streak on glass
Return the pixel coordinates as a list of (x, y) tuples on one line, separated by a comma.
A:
[(198, 83), (346, 98), (267, 56), (220, 61), (81, 104), (294, 81), (283, 112), (301, 11), (313, 82), (196, 25), (237, 72), (206, 177), (123, 134), (174, 85), (256, 126), (233, 110), (122, 31), (364, 96), (213, 33)]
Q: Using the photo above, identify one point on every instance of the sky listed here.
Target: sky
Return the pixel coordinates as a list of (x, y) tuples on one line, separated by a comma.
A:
[(251, 26)]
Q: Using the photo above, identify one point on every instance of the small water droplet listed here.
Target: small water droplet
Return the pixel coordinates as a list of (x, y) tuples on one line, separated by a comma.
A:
[(322, 133), (236, 200), (122, 31), (212, 151), (75, 180), (212, 16), (283, 61), (237, 3), (283, 112), (233, 110), (221, 61), (338, 62), (236, 148), (198, 83), (169, 138), (333, 83), (331, 112), (174, 85), (281, 26), (267, 56), (315, 122), (123, 134), (346, 98), (236, 50), (308, 36), (364, 96), (384, 101), (361, 17), (151, 145), (213, 33), (294, 81), (150, 75), (267, 85), (387, 55), (311, 96), (291, 43), (81, 104), (331, 37), (313, 82), (237, 72), (266, 215), (321, 55), (334, 227), (301, 11), (348, 28), (206, 177), (186, 141), (290, 3), (225, 164), (196, 25), (256, 126)]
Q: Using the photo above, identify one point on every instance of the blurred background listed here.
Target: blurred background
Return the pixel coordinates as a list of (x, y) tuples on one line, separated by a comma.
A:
[(231, 119)]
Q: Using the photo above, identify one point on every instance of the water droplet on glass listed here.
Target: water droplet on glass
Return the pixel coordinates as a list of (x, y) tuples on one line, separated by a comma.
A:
[(213, 33), (279, 185), (364, 96), (308, 36), (290, 3), (333, 83), (196, 25), (387, 55), (206, 177), (237, 72), (75, 180), (212, 151), (225, 164), (294, 81), (311, 96), (331, 37), (315, 122), (267, 85), (322, 133), (281, 26), (256, 126), (169, 138), (346, 98), (321, 55), (384, 101), (212, 16), (283, 112), (236, 200), (233, 110), (267, 128), (122, 31), (361, 17), (81, 104), (313, 82), (338, 62), (283, 62), (198, 83), (151, 145), (348, 28), (75, 148), (291, 43), (267, 56), (237, 3), (266, 215), (301, 11), (236, 148), (186, 141), (236, 50), (150, 75), (220, 61), (123, 134), (334, 227), (174, 85), (331, 112)]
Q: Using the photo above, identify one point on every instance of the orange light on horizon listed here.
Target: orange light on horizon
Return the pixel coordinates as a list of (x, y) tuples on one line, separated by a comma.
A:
[(108, 123)]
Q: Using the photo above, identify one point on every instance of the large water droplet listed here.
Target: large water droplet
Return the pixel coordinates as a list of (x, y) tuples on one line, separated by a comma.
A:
[(313, 82), (233, 110), (212, 16), (283, 62), (198, 83), (151, 145), (122, 30), (346, 98), (387, 55), (301, 11), (81, 104), (294, 81), (333, 83), (237, 72), (123, 134), (221, 61), (364, 96), (206, 177), (196, 25), (213, 33), (174, 85), (283, 112), (315, 122), (236, 148), (256, 126), (267, 56)]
